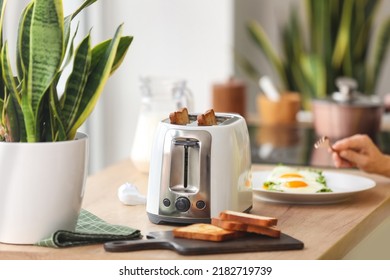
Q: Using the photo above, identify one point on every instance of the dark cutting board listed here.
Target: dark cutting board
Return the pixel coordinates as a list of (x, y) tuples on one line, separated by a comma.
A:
[(166, 240)]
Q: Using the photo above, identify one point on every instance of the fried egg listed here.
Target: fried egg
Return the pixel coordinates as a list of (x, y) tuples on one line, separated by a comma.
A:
[(295, 180)]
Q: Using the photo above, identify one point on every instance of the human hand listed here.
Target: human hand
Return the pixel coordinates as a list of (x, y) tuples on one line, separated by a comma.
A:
[(359, 151)]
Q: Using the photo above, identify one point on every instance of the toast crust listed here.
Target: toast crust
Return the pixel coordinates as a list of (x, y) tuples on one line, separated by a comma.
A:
[(180, 117), (249, 219), (233, 225), (208, 118), (230, 225), (206, 232)]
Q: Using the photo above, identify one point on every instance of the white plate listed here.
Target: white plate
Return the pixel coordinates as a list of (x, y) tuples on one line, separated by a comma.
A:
[(344, 186)]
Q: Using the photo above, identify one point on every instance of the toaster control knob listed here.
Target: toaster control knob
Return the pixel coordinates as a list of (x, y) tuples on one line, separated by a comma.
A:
[(183, 204), (166, 202), (200, 204)]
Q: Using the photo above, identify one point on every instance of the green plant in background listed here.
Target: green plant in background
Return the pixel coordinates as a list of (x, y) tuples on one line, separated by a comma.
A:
[(31, 108), (339, 41)]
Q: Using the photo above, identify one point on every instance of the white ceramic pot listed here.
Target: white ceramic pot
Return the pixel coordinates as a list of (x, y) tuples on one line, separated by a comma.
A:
[(41, 188)]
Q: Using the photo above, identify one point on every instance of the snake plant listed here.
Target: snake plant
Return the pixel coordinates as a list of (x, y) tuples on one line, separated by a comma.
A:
[(32, 108), (339, 41)]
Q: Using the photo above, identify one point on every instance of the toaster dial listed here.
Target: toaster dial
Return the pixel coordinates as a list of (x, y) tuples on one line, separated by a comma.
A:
[(182, 204)]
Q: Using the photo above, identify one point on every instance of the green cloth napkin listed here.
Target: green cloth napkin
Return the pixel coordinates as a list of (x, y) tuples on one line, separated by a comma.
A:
[(90, 229)]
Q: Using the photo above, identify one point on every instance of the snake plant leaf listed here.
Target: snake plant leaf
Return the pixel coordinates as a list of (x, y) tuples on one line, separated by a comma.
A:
[(67, 29), (2, 116), (84, 5), (46, 53), (29, 120), (2, 12), (301, 83), (68, 21), (121, 51), (70, 50), (313, 69), (100, 49), (261, 39), (70, 54), (322, 32), (319, 27), (343, 37), (46, 121), (334, 17), (59, 131), (31, 109), (68, 59), (8, 77), (45, 47), (3, 4), (292, 39), (76, 82), (96, 82), (361, 26), (14, 122), (23, 42)]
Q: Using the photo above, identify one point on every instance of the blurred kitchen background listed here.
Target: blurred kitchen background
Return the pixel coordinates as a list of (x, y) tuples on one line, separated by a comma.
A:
[(193, 39)]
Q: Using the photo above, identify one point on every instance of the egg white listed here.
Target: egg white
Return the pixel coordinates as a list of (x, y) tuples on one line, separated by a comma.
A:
[(294, 180)]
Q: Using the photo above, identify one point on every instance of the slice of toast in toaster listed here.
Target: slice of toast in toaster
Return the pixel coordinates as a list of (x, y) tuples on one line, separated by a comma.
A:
[(208, 118), (179, 117), (233, 225), (205, 232), (250, 219)]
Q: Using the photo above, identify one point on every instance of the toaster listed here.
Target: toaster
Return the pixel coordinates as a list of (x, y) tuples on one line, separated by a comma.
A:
[(198, 171)]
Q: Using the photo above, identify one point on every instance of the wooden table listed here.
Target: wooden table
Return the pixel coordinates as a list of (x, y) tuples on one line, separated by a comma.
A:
[(328, 231)]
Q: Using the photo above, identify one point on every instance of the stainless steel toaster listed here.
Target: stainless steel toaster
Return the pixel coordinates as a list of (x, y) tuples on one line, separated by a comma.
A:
[(198, 171)]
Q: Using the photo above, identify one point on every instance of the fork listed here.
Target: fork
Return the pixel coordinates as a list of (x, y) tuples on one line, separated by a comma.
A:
[(324, 142)]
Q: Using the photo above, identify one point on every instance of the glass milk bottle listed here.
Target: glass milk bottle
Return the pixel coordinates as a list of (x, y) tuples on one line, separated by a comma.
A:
[(159, 97)]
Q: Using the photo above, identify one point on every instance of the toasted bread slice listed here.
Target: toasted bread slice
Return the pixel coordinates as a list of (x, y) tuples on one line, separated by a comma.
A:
[(228, 225), (180, 117), (232, 225), (249, 219), (205, 232), (208, 118), (268, 231)]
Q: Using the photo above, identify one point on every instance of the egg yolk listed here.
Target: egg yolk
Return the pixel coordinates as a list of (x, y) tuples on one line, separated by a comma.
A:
[(296, 184)]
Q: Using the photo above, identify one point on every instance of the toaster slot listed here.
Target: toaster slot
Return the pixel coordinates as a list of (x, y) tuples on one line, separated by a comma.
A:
[(222, 119), (185, 165)]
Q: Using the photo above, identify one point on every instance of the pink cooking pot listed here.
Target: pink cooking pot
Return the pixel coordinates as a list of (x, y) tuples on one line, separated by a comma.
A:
[(347, 112)]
